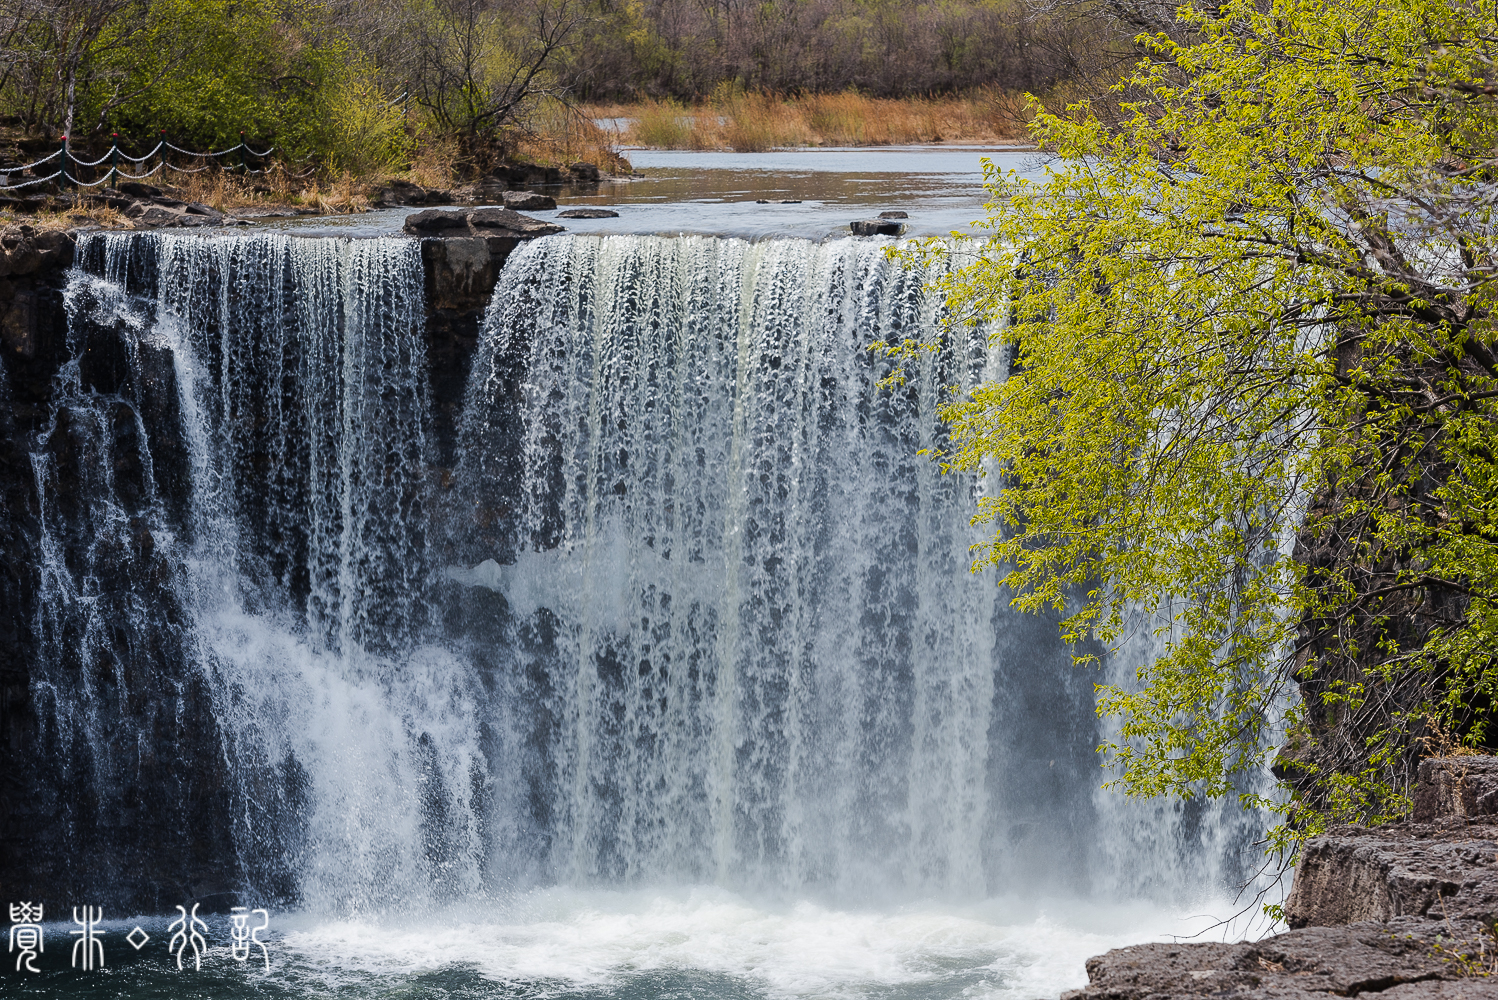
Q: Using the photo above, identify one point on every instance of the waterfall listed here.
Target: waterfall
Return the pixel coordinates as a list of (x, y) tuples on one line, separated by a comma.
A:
[(688, 606), (739, 613)]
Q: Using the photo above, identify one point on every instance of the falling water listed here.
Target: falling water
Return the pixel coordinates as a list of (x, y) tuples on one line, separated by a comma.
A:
[(689, 607), (741, 642)]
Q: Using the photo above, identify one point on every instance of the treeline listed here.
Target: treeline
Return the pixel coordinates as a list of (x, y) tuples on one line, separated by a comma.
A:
[(685, 49), (362, 86)]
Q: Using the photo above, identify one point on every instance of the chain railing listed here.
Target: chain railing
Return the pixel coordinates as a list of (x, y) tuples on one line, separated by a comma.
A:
[(66, 159)]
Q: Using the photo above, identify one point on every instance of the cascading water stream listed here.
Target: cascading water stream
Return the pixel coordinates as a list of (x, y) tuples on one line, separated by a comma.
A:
[(689, 606), (739, 624)]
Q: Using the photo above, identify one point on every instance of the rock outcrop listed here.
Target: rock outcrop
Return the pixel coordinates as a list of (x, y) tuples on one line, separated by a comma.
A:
[(462, 253), (529, 201), (1437, 871), (478, 222), (400, 192), (1401, 912), (1315, 962), (877, 227)]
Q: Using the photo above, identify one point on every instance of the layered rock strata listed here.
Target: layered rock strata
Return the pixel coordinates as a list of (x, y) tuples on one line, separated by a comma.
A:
[(1402, 912)]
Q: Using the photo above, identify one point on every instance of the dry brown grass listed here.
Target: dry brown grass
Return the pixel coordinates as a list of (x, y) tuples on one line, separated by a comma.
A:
[(227, 191), (435, 163), (753, 122), (90, 211), (561, 136)]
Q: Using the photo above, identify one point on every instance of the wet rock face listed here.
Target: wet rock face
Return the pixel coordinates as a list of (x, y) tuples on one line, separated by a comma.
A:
[(462, 253), (876, 227), (1385, 912), (88, 481)]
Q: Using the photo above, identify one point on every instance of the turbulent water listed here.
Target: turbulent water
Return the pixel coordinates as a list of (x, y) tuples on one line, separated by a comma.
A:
[(674, 668)]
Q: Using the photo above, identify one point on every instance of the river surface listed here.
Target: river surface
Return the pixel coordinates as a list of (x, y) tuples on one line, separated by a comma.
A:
[(810, 193)]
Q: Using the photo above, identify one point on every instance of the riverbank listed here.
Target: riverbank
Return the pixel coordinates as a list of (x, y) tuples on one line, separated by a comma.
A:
[(221, 198), (751, 123)]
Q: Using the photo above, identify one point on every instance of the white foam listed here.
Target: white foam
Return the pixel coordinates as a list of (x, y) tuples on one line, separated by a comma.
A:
[(593, 939)]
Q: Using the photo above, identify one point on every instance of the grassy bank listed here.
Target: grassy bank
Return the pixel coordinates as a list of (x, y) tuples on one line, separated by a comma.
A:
[(750, 123)]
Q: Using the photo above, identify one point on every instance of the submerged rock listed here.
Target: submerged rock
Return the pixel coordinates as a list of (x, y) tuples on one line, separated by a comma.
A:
[(529, 201), (588, 213), (894, 215)]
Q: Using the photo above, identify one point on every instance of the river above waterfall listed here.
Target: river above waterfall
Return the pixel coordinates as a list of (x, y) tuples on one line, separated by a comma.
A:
[(810, 193)]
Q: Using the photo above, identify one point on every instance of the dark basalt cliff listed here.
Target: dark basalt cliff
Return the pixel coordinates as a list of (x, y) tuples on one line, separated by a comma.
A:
[(147, 821), (1402, 912)]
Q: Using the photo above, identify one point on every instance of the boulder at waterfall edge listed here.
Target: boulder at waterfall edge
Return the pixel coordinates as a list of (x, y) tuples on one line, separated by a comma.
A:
[(478, 222), (1404, 912)]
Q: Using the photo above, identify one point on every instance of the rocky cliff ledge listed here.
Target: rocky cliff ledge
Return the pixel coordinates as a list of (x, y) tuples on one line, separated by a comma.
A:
[(1402, 912)]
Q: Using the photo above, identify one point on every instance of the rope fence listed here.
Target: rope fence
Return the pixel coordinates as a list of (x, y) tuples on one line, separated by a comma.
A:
[(66, 159)]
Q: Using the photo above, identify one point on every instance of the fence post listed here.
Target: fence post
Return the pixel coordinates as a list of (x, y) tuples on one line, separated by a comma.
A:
[(114, 160), (62, 182)]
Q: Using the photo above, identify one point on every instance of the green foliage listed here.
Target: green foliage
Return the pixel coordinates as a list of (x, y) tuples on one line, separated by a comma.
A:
[(206, 70), (365, 129), (1255, 314)]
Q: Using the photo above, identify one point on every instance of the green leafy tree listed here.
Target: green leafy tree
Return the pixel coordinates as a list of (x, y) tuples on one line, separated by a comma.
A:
[(1252, 398)]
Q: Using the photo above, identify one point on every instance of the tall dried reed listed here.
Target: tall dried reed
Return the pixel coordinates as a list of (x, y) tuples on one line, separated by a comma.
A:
[(753, 122), (662, 123)]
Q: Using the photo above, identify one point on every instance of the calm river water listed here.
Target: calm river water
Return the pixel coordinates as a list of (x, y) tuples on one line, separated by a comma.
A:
[(941, 187)]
